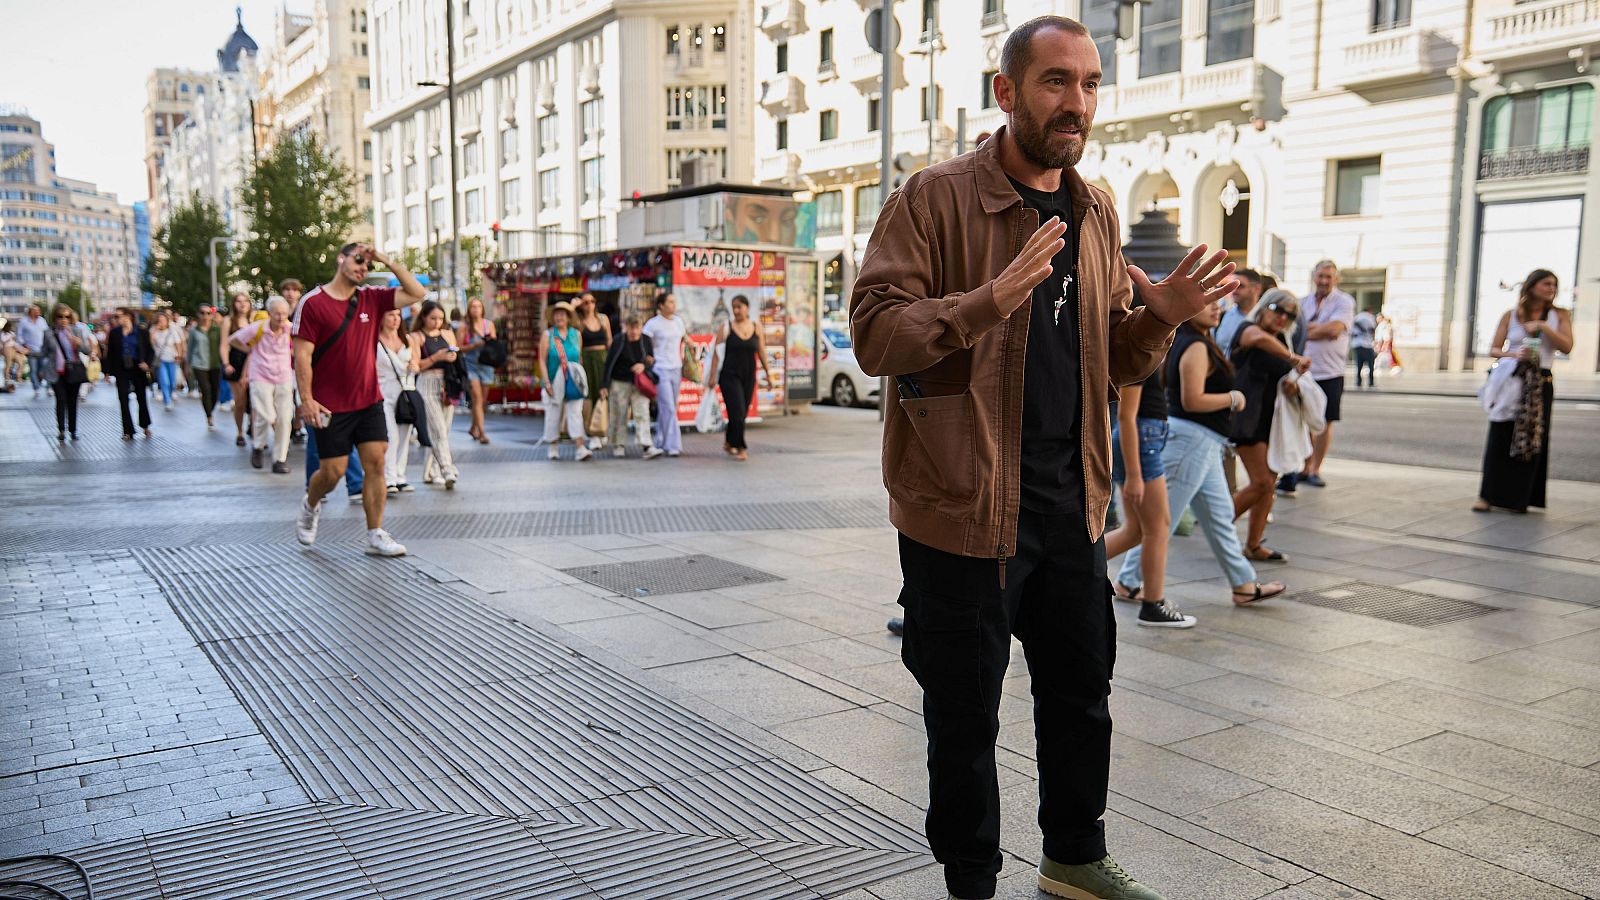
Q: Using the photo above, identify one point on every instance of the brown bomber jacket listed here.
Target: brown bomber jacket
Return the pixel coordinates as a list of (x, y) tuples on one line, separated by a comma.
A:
[(923, 306)]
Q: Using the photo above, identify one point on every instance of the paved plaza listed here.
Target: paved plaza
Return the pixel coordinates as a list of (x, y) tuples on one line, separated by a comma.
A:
[(630, 678)]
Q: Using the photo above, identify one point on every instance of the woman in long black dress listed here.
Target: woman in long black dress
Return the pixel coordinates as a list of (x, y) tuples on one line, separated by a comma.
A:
[(744, 349), (1516, 458)]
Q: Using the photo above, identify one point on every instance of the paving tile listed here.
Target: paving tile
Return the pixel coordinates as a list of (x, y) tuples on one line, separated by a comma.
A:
[(1541, 735), (752, 691), (1535, 777), (1484, 678), (1565, 857), (1156, 667), (777, 632), (709, 610), (1335, 719), (1170, 782), (1365, 855), (1579, 703), (1369, 791), (1318, 889), (560, 604), (644, 641), (1322, 675), (1157, 721)]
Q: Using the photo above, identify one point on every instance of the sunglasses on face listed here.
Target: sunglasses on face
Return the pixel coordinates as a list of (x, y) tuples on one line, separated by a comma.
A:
[(1289, 314), (359, 260)]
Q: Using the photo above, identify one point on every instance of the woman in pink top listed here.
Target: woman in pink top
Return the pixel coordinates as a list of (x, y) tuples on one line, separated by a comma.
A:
[(270, 375)]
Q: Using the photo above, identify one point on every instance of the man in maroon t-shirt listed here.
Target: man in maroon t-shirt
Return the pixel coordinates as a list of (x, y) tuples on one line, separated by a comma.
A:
[(335, 364)]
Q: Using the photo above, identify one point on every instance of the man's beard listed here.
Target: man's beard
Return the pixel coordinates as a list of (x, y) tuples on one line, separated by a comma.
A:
[(1034, 141)]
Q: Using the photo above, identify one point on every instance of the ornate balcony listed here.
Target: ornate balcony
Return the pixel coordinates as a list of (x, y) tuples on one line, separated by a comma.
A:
[(1239, 84), (861, 153), (866, 71), (783, 18), (783, 95), (1530, 28), (777, 167), (1532, 162), (1396, 55)]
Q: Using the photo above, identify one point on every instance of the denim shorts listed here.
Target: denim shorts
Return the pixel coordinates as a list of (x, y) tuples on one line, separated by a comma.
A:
[(1152, 440), (476, 371)]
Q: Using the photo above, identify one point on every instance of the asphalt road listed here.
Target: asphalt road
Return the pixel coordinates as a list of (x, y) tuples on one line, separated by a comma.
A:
[(1449, 432)]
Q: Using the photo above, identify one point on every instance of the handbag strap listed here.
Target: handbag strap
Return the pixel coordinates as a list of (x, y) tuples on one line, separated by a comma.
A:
[(349, 313), (390, 354)]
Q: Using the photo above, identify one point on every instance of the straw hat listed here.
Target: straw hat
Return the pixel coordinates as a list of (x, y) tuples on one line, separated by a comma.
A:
[(562, 305)]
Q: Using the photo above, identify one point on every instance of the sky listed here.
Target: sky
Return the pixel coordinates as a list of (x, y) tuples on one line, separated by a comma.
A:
[(79, 67)]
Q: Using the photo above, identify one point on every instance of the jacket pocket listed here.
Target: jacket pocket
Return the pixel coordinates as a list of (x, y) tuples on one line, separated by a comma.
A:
[(941, 462)]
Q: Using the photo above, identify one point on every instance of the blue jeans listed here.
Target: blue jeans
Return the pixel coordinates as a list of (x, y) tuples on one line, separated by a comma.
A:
[(353, 476), (36, 364), (1193, 458), (167, 378)]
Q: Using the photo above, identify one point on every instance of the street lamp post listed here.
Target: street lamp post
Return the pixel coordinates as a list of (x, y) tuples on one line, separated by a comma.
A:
[(887, 32), (450, 99)]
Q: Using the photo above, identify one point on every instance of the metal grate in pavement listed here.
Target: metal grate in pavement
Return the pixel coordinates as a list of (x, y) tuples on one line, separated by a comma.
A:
[(672, 575), (100, 435), (1380, 601), (801, 514)]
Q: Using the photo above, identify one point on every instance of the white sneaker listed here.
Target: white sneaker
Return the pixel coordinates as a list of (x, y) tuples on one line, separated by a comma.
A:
[(555, 452), (380, 543), (305, 527), (673, 454), (583, 453), (619, 452), (653, 452), (354, 498)]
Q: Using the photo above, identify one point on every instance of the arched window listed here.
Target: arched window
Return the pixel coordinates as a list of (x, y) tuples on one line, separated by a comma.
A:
[(1555, 118)]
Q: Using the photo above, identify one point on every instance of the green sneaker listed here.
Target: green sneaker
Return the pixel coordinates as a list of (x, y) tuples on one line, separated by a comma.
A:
[(1103, 880)]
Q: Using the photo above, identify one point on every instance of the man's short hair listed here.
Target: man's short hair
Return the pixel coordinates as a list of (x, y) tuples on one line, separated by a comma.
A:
[(288, 283), (1250, 275), (276, 302), (1017, 54), (1268, 282), (1324, 264), (632, 318), (345, 250)]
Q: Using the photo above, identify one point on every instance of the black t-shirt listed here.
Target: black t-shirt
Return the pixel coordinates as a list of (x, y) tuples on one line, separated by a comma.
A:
[(1218, 381), (1052, 453), (1153, 396)]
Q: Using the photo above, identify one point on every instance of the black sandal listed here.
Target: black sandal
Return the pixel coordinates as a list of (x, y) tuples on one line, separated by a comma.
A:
[(1266, 554), (1258, 595), (1123, 592)]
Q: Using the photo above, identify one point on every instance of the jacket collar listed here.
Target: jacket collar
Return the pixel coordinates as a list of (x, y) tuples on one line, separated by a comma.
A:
[(995, 188)]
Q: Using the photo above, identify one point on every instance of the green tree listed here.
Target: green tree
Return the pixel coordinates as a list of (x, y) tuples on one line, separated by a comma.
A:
[(301, 204), (73, 295), (177, 269)]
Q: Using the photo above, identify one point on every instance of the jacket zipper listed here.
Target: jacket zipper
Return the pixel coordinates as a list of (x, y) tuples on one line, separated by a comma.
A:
[(1005, 403), (1079, 216)]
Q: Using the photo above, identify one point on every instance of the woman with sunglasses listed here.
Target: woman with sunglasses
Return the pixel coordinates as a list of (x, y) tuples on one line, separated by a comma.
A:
[(61, 357), (1261, 357), (1201, 403)]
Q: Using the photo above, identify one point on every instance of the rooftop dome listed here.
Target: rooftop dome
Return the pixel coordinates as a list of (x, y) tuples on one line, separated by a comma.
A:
[(238, 42)]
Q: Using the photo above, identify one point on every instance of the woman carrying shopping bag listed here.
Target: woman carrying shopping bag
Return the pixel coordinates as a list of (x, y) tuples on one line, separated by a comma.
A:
[(565, 382)]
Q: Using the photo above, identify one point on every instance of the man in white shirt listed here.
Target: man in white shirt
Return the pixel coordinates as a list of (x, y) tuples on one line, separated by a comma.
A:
[(1327, 313), (667, 335), (31, 331)]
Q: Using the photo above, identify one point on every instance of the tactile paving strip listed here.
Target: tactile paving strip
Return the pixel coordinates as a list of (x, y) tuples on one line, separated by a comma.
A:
[(432, 730), (672, 575), (1394, 604), (805, 514)]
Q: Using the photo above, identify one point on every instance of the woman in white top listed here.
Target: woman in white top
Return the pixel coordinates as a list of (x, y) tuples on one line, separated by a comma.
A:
[(397, 371), (167, 340), (1516, 457)]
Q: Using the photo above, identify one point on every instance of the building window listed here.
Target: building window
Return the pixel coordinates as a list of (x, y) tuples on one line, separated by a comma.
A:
[(411, 177), (594, 233), (674, 39), (363, 83), (1100, 17), (932, 107), (676, 159), (511, 197), (867, 204), (1390, 14), (783, 56), (1230, 30), (987, 91), (1355, 188), (697, 108), (825, 50), (589, 116), (874, 110), (593, 189), (1160, 24), (391, 185), (549, 134), (929, 23), (508, 145), (828, 124), (550, 189), (474, 200), (391, 225), (1537, 133), (436, 169), (366, 150), (830, 212), (719, 39), (414, 220), (783, 134), (437, 211), (366, 183)]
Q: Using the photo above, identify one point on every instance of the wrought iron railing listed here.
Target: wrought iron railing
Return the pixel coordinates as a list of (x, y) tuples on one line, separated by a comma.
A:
[(1533, 162)]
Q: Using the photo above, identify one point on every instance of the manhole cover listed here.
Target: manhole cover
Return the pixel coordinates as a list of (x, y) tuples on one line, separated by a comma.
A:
[(673, 575), (1394, 604)]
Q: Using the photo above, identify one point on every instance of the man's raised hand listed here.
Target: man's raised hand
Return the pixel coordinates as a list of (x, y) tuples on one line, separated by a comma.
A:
[(1030, 267), (1191, 286)]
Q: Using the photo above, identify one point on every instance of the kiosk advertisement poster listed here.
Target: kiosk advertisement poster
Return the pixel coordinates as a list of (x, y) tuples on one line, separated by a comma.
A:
[(705, 279), (768, 311), (800, 341)]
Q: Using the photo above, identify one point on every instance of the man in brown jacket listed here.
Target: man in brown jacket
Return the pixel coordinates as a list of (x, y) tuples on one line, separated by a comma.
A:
[(1008, 339)]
